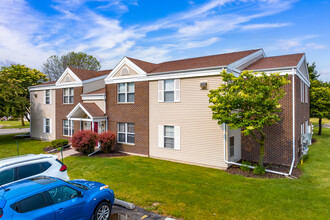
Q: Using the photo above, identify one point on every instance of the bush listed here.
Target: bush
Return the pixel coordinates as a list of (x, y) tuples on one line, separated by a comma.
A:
[(245, 167), (84, 141), (59, 143), (259, 170), (107, 140)]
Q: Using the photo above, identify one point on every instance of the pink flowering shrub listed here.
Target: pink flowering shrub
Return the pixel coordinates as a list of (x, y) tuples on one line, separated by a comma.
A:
[(84, 141), (107, 140)]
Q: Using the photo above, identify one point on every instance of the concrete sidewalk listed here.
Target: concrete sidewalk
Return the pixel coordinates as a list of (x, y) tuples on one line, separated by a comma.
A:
[(67, 153), (14, 131)]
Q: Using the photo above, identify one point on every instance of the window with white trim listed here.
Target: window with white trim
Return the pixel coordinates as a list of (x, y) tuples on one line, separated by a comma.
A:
[(231, 147), (169, 137), (124, 71), (68, 95), (169, 90), (126, 133), (126, 92), (302, 98), (302, 128), (306, 94), (47, 96), (47, 128), (68, 127)]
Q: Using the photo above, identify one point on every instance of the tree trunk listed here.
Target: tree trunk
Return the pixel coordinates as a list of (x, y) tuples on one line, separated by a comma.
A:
[(262, 149), (320, 126), (22, 120), (262, 146)]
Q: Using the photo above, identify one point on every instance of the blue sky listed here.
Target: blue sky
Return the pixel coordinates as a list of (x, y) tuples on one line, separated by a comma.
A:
[(160, 30)]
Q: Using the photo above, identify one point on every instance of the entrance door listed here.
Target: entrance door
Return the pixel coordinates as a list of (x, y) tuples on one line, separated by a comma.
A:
[(96, 127)]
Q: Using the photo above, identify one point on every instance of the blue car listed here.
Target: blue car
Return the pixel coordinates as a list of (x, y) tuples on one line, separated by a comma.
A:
[(48, 198)]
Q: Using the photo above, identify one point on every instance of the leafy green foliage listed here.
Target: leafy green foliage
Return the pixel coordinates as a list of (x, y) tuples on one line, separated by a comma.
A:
[(245, 165), (320, 101), (249, 101), (55, 65), (259, 170), (14, 92), (59, 143), (313, 75)]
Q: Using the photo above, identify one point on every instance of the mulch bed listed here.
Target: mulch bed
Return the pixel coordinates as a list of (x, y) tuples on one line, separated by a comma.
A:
[(296, 172)]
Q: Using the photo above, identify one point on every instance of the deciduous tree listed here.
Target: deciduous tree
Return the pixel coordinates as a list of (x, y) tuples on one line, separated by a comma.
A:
[(14, 92), (249, 101), (55, 65), (320, 101)]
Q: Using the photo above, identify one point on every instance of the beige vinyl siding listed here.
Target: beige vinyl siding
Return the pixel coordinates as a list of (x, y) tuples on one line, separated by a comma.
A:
[(201, 138), (131, 71), (236, 133), (66, 80), (92, 86), (99, 103), (39, 111)]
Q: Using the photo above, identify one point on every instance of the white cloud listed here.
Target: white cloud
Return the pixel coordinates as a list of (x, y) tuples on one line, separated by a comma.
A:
[(264, 26), (30, 37), (316, 46)]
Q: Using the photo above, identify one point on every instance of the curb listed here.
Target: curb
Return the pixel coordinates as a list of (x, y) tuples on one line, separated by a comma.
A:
[(124, 204)]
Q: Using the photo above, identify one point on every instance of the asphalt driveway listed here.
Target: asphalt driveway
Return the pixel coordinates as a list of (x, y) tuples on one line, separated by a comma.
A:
[(14, 131)]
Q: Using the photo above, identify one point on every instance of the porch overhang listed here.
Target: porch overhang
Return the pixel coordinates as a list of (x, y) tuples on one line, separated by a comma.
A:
[(86, 112)]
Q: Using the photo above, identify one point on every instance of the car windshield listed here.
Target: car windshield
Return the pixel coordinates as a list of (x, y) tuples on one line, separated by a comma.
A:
[(81, 186)]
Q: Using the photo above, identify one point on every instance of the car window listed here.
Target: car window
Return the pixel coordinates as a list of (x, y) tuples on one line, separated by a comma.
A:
[(62, 194), (32, 203), (28, 170), (7, 176), (45, 166)]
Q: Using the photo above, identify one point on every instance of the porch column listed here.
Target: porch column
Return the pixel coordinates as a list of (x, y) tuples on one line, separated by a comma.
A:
[(80, 124), (92, 125), (106, 125), (71, 125)]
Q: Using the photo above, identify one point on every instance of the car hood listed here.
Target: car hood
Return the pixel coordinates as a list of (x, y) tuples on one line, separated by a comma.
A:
[(89, 184)]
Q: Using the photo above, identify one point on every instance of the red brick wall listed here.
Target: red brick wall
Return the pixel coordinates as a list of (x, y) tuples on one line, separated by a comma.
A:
[(62, 110), (137, 113), (278, 144)]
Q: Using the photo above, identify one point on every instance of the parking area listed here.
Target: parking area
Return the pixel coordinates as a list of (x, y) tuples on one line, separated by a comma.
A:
[(120, 213)]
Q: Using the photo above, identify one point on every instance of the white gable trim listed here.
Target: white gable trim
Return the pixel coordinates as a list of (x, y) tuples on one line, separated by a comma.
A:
[(129, 63), (76, 108), (233, 66), (68, 71)]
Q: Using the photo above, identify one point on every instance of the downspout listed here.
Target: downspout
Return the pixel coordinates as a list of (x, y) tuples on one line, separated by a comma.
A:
[(239, 164), (293, 122)]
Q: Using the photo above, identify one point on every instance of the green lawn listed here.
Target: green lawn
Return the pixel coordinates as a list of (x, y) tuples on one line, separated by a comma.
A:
[(192, 192), (8, 146), (14, 124)]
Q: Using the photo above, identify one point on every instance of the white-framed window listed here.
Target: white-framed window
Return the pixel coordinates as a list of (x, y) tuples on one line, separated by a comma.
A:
[(306, 127), (47, 96), (126, 133), (47, 125), (169, 137), (302, 91), (169, 90), (126, 92), (306, 94), (124, 71), (67, 127), (68, 95), (231, 147), (302, 128)]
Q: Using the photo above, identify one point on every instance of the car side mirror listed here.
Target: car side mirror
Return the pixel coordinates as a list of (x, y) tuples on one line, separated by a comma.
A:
[(80, 194)]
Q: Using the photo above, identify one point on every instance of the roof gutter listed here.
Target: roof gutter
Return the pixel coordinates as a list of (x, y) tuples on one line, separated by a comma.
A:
[(187, 70)]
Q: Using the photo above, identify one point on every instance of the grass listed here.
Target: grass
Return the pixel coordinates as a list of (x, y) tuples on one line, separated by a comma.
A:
[(14, 124), (315, 121), (8, 146), (192, 192)]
